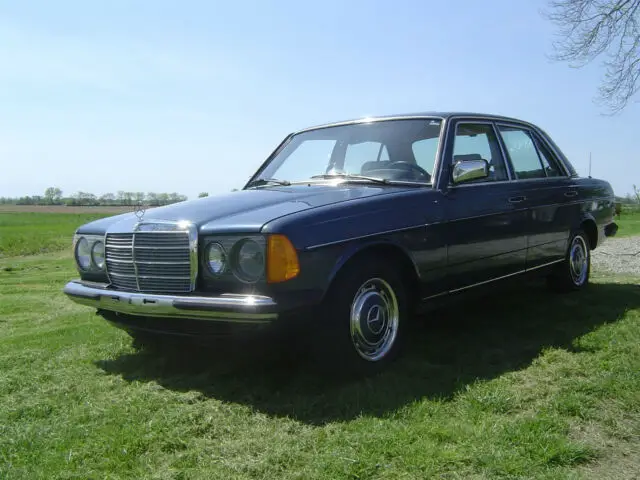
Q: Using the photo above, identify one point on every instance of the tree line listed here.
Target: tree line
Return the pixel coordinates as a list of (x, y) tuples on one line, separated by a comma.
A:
[(54, 196)]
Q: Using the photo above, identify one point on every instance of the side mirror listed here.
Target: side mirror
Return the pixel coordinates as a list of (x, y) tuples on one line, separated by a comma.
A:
[(467, 170)]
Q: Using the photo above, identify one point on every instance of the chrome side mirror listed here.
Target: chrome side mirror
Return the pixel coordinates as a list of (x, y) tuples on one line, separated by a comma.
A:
[(467, 170)]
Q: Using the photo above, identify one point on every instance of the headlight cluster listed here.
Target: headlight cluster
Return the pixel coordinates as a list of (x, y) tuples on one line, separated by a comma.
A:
[(251, 259), (89, 252), (242, 257)]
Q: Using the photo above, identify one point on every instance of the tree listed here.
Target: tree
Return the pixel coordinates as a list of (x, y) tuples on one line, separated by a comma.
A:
[(203, 194), (107, 199), (588, 29), (53, 195)]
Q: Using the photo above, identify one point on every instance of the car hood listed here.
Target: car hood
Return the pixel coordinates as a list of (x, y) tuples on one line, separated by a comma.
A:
[(242, 211)]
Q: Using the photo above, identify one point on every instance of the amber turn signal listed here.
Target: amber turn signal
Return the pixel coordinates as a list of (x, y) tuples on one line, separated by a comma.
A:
[(282, 259)]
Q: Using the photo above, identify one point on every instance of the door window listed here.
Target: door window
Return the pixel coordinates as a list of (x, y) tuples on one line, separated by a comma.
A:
[(523, 153), (478, 142)]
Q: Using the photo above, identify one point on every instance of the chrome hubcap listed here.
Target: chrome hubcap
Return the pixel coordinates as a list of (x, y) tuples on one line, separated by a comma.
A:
[(579, 261), (374, 319)]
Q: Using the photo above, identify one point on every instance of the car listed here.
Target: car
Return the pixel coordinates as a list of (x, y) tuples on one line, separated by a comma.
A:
[(346, 231)]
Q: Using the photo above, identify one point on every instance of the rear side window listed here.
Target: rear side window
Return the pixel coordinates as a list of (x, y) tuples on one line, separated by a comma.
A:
[(548, 161), (522, 152)]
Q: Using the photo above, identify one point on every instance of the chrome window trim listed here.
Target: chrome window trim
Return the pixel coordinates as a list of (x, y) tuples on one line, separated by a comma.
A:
[(371, 120)]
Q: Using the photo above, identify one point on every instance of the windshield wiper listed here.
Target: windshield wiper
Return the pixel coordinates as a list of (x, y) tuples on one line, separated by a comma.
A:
[(266, 181), (349, 176)]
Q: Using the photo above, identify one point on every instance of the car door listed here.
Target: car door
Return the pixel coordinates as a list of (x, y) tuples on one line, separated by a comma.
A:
[(547, 191), (486, 218)]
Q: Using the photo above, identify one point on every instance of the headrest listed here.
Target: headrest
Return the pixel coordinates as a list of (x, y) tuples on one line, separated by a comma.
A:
[(366, 166), (467, 157)]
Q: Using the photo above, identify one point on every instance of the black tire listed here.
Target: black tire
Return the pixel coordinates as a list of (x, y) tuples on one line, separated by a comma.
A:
[(340, 345), (573, 273)]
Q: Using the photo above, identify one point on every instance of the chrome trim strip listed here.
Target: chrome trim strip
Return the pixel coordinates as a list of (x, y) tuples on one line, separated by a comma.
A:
[(133, 255), (336, 242), (437, 295), (146, 247), (519, 272), (161, 277), (128, 262), (415, 227), (544, 264), (466, 287), (227, 307)]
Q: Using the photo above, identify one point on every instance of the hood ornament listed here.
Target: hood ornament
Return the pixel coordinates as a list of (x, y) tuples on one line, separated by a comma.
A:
[(139, 209)]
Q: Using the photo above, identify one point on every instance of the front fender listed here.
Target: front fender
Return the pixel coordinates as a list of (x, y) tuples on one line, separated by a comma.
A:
[(384, 246)]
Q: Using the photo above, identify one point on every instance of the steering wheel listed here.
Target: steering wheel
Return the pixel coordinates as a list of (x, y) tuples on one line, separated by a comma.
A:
[(412, 166)]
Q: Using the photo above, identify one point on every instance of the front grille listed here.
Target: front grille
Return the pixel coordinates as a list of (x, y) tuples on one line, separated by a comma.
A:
[(150, 261)]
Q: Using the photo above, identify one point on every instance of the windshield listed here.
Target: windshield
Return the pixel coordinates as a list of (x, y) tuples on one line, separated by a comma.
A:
[(389, 150)]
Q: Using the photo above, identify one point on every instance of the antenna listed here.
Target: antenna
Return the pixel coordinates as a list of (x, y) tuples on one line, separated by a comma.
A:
[(589, 164)]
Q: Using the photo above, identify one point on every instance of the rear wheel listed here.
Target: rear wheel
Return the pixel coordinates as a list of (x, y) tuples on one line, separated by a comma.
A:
[(363, 319), (573, 273)]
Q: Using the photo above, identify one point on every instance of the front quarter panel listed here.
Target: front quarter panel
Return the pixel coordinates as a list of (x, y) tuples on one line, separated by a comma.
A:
[(327, 238)]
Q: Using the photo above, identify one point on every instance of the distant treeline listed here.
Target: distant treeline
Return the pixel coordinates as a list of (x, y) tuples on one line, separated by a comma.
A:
[(54, 196)]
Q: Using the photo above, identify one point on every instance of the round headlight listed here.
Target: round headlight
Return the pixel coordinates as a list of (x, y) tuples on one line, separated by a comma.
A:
[(83, 254), (216, 258), (97, 254), (248, 260)]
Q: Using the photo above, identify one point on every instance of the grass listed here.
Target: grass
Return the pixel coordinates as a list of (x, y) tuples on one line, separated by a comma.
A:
[(28, 233), (629, 222), (547, 391)]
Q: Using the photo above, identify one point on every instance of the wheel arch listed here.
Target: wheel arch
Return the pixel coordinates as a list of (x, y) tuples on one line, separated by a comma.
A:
[(588, 224), (379, 249)]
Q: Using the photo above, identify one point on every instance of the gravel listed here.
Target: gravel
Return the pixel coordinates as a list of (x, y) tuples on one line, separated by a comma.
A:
[(618, 255)]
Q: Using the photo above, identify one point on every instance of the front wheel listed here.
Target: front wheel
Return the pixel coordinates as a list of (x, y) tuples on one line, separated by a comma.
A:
[(573, 273), (363, 319)]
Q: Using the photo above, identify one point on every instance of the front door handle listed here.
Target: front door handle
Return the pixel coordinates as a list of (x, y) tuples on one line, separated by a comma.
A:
[(517, 199), (570, 193)]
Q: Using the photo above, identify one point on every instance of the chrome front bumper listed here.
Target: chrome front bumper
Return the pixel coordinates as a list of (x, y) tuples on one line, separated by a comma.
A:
[(225, 308)]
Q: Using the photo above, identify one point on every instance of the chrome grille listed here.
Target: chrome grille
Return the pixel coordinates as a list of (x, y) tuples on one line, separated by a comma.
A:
[(151, 261)]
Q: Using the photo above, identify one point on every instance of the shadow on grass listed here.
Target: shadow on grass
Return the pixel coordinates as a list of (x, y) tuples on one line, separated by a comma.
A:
[(454, 346)]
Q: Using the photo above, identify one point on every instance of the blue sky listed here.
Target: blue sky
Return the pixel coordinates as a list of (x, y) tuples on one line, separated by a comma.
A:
[(192, 96)]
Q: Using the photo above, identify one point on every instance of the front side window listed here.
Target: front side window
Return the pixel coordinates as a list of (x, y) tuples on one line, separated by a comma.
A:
[(384, 149), (477, 141)]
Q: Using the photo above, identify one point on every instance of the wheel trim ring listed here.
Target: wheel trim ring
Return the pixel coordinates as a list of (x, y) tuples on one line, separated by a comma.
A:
[(384, 298), (578, 261)]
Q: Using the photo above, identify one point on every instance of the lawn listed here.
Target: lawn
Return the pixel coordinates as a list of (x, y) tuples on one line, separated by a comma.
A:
[(547, 391), (629, 222), (28, 233)]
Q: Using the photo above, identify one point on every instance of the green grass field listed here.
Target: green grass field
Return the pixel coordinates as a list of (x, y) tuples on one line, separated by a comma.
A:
[(28, 233), (629, 222), (551, 390)]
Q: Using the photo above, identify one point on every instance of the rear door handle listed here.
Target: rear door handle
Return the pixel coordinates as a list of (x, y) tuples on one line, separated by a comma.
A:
[(517, 199), (571, 193)]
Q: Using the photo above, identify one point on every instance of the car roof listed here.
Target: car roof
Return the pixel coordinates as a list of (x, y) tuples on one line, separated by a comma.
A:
[(443, 115)]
